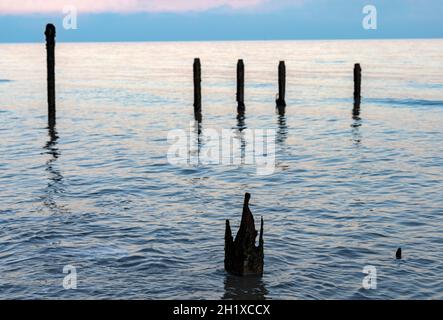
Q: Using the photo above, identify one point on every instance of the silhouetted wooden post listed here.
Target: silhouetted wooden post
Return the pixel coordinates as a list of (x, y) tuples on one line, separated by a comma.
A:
[(357, 85), (241, 86), (50, 61), (398, 254), (242, 257), (197, 90), (281, 84)]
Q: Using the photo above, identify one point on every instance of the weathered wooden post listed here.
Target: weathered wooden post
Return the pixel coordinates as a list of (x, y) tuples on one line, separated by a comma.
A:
[(398, 254), (281, 85), (242, 257), (197, 90), (357, 85), (50, 61), (241, 86)]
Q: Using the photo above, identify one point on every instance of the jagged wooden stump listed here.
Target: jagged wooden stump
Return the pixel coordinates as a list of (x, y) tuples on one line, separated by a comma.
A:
[(242, 257)]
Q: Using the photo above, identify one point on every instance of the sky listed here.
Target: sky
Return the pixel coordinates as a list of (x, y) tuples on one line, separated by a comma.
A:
[(195, 20)]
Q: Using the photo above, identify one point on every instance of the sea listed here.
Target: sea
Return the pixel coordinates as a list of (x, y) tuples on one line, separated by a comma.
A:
[(94, 208)]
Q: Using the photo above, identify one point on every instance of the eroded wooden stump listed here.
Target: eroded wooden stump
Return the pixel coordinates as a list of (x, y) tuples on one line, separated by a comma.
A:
[(242, 256)]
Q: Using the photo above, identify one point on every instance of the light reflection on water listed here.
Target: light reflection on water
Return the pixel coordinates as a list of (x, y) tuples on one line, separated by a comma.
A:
[(97, 191)]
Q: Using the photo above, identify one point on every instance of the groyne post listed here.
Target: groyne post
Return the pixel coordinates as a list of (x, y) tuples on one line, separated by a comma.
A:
[(242, 257), (197, 90), (50, 61), (357, 85), (240, 86), (281, 102)]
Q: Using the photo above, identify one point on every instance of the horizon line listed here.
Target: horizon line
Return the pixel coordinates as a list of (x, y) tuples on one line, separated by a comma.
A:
[(227, 40)]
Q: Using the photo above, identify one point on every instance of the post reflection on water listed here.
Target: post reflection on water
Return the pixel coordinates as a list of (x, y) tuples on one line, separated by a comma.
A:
[(55, 178), (198, 130), (241, 117), (241, 126), (356, 124), (281, 136), (244, 288), (282, 132)]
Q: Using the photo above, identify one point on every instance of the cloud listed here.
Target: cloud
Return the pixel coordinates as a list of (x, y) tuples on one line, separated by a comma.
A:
[(23, 7)]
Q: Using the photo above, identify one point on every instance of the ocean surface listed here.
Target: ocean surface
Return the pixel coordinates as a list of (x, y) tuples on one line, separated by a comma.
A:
[(98, 192)]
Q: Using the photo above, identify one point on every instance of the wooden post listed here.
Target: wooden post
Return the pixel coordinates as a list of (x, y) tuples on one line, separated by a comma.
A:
[(242, 257), (357, 85), (398, 254), (281, 84), (197, 90), (50, 61), (241, 86)]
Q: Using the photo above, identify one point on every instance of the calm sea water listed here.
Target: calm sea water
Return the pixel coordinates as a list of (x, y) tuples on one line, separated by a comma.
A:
[(100, 194)]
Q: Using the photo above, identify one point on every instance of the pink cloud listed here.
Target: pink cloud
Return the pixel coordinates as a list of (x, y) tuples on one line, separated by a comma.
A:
[(123, 6)]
